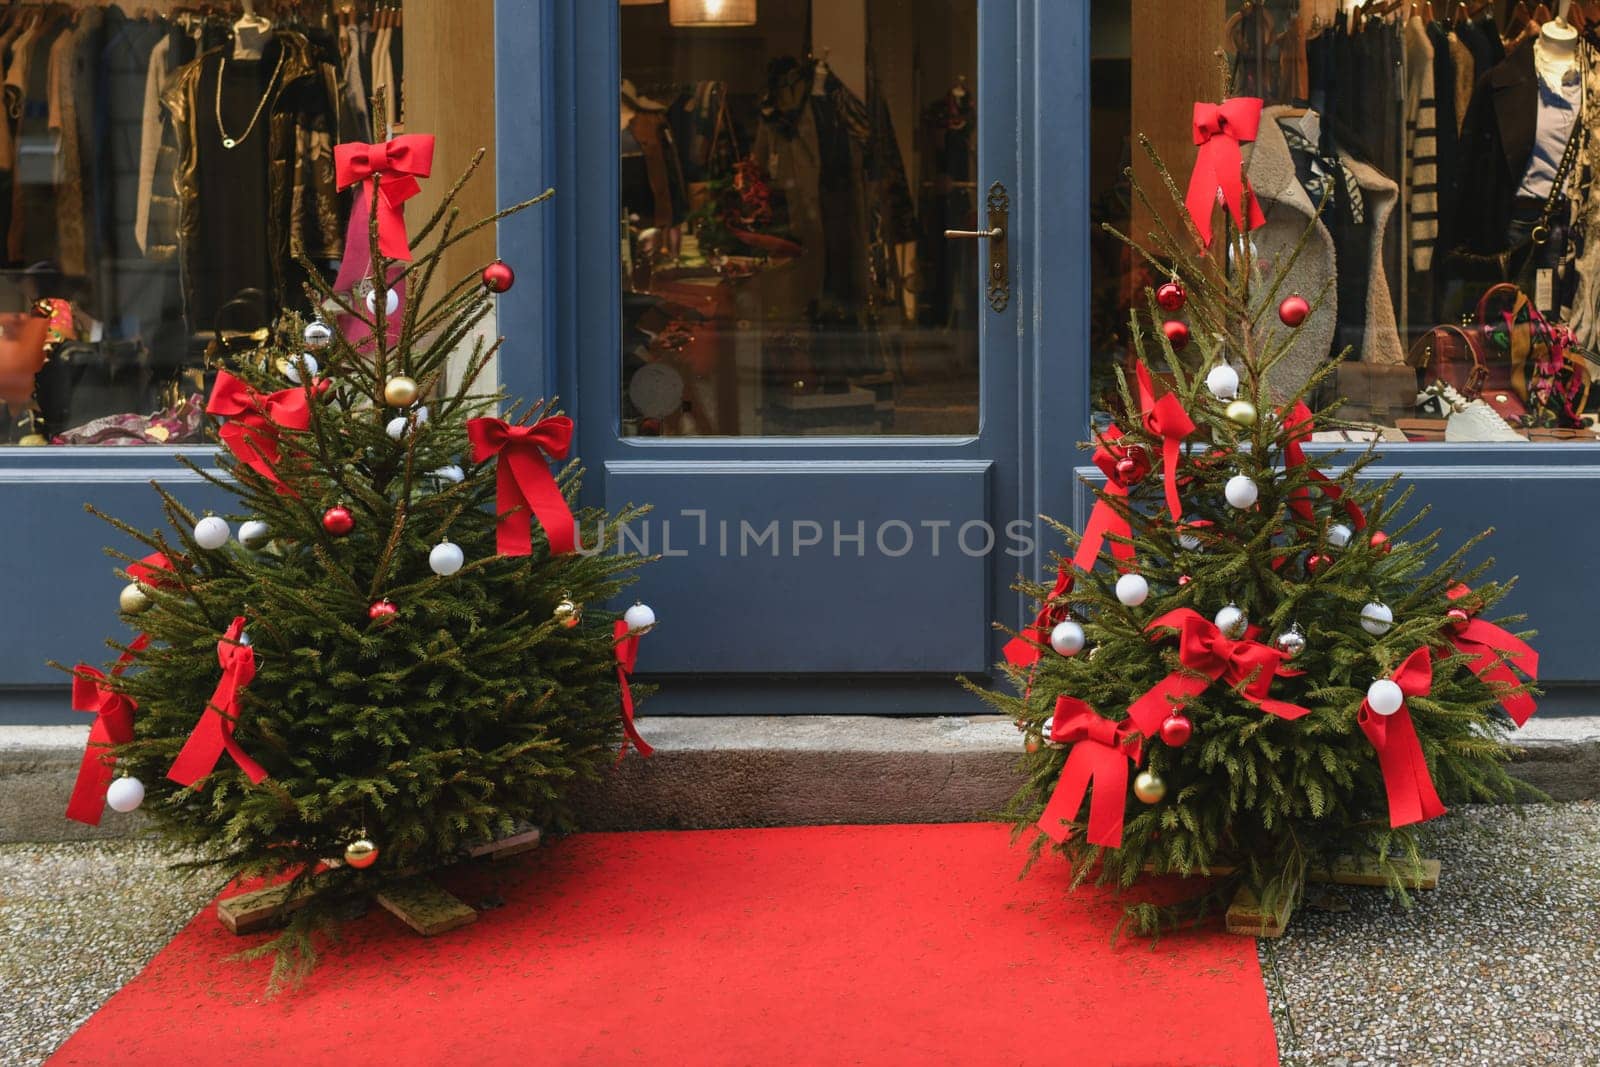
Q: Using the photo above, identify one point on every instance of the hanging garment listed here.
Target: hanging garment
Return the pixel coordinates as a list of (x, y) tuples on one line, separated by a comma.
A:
[(158, 69), (652, 177), (948, 271), (1583, 201), (1497, 143), (1422, 156)]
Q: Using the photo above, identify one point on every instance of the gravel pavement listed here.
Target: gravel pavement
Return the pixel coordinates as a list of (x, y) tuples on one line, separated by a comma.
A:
[(1499, 966)]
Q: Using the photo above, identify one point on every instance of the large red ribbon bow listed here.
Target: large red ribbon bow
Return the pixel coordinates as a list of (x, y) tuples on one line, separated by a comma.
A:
[(255, 421), (1214, 657), (1491, 649), (523, 479), (213, 734), (396, 165), (627, 643), (113, 725), (1297, 425), (1219, 130), (1166, 419), (1101, 751), (1405, 772)]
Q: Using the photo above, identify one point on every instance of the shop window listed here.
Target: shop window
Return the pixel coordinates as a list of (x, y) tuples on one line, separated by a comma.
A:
[(788, 172), (164, 167), (1445, 158)]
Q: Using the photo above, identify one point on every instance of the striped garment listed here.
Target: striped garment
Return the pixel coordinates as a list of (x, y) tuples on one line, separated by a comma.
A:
[(1422, 148)]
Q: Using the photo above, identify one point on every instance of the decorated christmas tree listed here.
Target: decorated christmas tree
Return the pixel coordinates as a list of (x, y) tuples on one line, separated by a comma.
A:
[(405, 651), (1248, 664)]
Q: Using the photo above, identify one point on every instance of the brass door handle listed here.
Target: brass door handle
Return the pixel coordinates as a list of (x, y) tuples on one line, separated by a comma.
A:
[(994, 233)]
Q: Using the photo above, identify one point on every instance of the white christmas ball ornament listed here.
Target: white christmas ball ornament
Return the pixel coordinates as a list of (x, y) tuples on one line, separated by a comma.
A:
[(1067, 638), (1339, 535), (292, 365), (1132, 589), (446, 558), (397, 425), (1232, 621), (391, 302), (639, 618), (1241, 491), (253, 533), (452, 473), (1376, 618), (211, 532), (125, 794), (1385, 697), (1223, 381), (1188, 542)]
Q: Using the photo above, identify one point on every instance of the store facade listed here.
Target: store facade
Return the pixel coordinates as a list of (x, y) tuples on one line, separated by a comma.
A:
[(824, 284)]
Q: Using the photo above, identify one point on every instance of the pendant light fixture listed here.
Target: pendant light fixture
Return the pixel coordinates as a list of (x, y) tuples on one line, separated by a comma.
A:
[(713, 12)]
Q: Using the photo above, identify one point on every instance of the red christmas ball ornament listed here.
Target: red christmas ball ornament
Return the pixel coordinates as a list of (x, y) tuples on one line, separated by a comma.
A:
[(1177, 333), (1380, 541), (1126, 468), (1183, 579), (383, 612), (1458, 619), (1176, 730), (1171, 296), (1293, 310), (338, 521), (1315, 562), (498, 276)]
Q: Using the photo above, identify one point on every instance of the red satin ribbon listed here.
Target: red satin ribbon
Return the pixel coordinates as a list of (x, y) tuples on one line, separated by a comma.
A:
[(255, 421), (396, 165), (627, 643), (1494, 651), (113, 725), (1101, 751), (154, 569), (1204, 649), (1023, 649), (1219, 130), (213, 734), (523, 478), (1297, 427), (1405, 772), (1166, 419)]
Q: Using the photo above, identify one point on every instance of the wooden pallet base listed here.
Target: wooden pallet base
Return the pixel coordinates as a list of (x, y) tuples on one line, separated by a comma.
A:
[(416, 901)]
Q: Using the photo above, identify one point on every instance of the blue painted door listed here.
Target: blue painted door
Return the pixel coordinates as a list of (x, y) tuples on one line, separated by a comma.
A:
[(810, 562)]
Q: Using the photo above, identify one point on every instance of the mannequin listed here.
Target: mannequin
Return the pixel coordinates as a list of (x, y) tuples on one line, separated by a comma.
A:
[(1555, 52), (251, 33)]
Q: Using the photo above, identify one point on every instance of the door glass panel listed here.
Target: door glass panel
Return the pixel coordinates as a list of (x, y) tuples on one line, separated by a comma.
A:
[(788, 171)]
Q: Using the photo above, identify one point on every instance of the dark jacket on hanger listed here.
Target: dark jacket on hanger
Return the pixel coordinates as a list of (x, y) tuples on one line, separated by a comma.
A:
[(1496, 144)]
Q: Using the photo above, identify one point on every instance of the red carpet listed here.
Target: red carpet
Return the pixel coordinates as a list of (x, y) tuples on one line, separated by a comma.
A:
[(822, 945)]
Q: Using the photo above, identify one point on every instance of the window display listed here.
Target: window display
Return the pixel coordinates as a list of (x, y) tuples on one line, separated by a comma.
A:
[(1433, 172), (163, 171), (786, 186)]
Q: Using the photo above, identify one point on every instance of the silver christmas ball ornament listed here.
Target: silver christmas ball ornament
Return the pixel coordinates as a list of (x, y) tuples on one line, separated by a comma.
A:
[(1232, 621), (1292, 641), (318, 335)]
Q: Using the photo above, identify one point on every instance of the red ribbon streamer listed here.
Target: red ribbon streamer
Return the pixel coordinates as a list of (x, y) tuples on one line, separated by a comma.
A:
[(627, 643), (523, 479), (1219, 130), (392, 167), (213, 734), (113, 725), (1101, 751), (1494, 651), (1412, 797), (1297, 426), (255, 421), (1166, 419), (1204, 649)]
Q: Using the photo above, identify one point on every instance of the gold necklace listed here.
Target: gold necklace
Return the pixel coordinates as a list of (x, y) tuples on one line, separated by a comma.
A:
[(229, 142)]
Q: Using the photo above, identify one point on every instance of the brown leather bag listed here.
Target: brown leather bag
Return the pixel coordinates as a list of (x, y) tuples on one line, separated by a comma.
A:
[(1456, 356), (22, 339)]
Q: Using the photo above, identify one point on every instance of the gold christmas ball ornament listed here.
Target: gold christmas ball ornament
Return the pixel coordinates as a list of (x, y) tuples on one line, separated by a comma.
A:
[(33, 440), (1241, 413), (361, 853), (400, 391), (1149, 787), (567, 612), (133, 599)]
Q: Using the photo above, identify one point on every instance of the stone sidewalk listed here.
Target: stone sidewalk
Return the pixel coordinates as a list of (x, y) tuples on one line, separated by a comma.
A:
[(1496, 966)]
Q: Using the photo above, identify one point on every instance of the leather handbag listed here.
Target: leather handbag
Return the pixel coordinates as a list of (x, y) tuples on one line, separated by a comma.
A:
[(1455, 356)]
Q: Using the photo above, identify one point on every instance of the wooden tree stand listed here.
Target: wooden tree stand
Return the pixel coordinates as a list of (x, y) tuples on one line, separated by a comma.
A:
[(1246, 915), (416, 901)]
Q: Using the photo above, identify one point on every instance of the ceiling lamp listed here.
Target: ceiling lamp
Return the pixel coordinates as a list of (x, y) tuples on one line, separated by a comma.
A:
[(713, 12)]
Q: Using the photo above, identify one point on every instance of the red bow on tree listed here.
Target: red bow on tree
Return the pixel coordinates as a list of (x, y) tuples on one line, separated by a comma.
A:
[(1297, 427), (154, 569), (1491, 649), (1219, 130), (1405, 772), (1101, 751), (523, 479), (213, 734), (113, 725), (627, 643), (393, 167), (1166, 419), (1208, 652), (255, 421)]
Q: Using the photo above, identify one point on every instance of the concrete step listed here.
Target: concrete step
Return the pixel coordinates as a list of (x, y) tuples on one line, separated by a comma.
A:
[(761, 771)]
